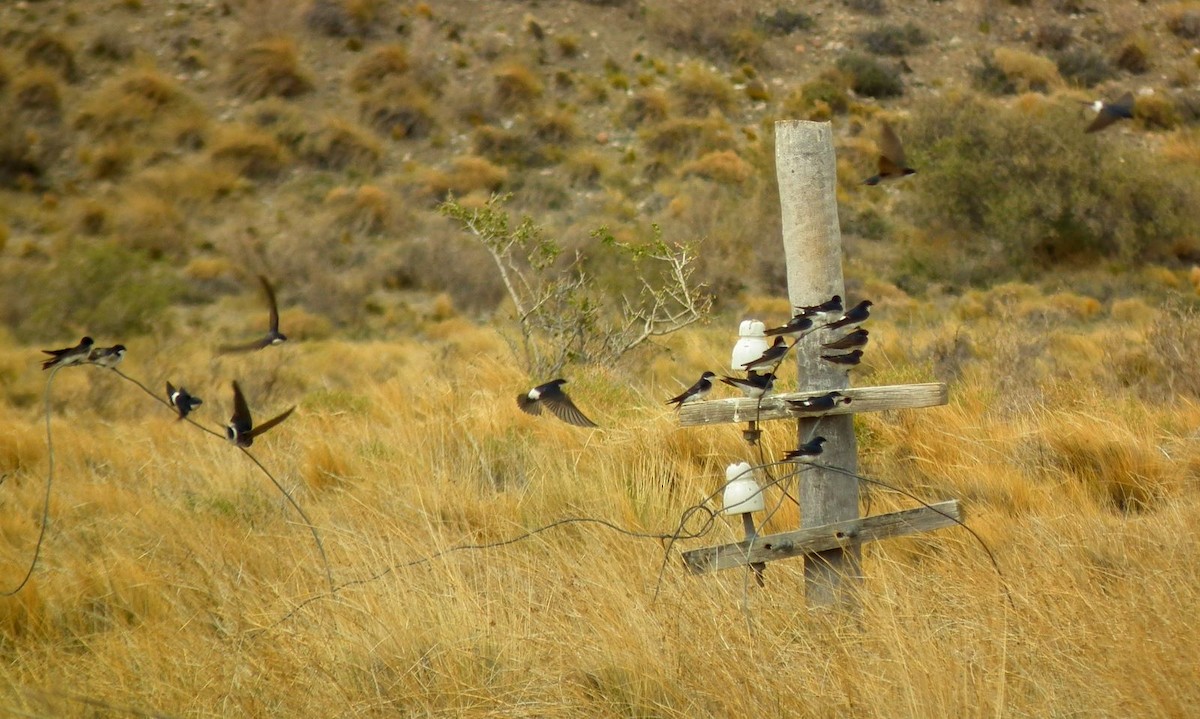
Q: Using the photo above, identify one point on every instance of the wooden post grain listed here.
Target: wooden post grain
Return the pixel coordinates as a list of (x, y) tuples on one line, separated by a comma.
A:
[(807, 175)]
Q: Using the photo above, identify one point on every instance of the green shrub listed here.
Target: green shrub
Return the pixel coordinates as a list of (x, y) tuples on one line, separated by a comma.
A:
[(1027, 191), (893, 39), (783, 22), (1084, 66), (871, 78)]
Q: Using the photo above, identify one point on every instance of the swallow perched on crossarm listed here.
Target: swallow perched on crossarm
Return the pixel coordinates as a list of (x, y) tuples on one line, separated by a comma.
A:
[(702, 387), (273, 336), (1109, 112), (857, 338), (852, 317), (68, 356), (892, 164), (108, 357), (847, 360), (771, 358), (241, 430), (818, 405), (811, 448), (833, 304), (554, 399), (755, 385), (181, 400)]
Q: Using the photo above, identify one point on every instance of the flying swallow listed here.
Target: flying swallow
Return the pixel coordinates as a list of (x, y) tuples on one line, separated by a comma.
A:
[(241, 430), (793, 328), (833, 304), (182, 401), (108, 357), (856, 315), (847, 360), (273, 336), (810, 448), (1109, 112), (857, 338), (818, 405), (755, 385), (772, 357), (892, 164), (702, 387), (68, 356), (557, 401)]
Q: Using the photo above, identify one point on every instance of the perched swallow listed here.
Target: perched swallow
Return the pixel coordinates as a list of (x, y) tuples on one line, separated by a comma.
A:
[(833, 304), (702, 387), (68, 356), (108, 357), (1107, 113), (892, 164), (273, 336), (856, 315), (793, 328), (818, 405), (182, 401), (241, 430), (847, 360), (857, 338), (755, 385), (557, 401), (772, 357), (810, 448)]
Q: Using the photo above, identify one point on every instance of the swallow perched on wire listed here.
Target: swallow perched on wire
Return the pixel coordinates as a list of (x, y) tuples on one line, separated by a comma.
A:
[(852, 317), (108, 357), (892, 164), (557, 401), (181, 400), (857, 338), (702, 387), (818, 405), (794, 327), (68, 356), (1109, 112), (811, 448), (833, 304), (241, 430), (847, 360), (755, 385), (772, 357), (273, 336)]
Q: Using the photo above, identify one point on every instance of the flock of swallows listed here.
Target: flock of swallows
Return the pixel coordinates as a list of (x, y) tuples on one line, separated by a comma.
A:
[(892, 165), (844, 351), (241, 429)]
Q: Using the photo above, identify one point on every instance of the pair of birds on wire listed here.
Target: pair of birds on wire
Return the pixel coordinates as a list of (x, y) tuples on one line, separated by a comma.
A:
[(240, 429), (893, 164)]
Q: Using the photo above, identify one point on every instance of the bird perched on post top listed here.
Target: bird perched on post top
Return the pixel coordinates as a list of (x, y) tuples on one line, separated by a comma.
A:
[(702, 387), (553, 398), (892, 164), (1109, 112)]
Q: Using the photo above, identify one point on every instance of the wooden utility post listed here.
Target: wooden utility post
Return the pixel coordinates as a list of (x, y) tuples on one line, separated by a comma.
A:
[(831, 532)]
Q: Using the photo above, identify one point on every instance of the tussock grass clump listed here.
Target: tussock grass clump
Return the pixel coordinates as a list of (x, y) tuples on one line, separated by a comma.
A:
[(724, 167), (149, 223), (867, 76), (702, 90), (1053, 36), (366, 210), (466, 175), (55, 53), (685, 136), (22, 163), (248, 151), (783, 21), (555, 127), (1133, 55), (112, 45), (893, 39), (1156, 111), (269, 68), (342, 145), (1008, 70), (1084, 66), (513, 146), (1023, 191), (36, 95), (1183, 19), (382, 64), (134, 102), (400, 110), (515, 86), (721, 30), (342, 18), (646, 106)]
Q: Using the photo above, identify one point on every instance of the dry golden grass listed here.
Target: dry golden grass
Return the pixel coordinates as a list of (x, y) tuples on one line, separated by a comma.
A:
[(175, 580)]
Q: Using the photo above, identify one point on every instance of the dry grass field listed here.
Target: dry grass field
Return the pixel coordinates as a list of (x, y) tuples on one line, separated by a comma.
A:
[(155, 158)]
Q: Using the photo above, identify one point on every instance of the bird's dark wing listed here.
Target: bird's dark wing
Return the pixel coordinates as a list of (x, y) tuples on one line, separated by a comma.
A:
[(529, 406), (241, 411), (274, 318), (1124, 103), (1103, 119), (271, 423), (247, 347), (562, 406), (890, 148), (170, 391)]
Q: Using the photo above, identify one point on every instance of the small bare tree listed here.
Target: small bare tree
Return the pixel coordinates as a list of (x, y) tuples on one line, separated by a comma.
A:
[(561, 314)]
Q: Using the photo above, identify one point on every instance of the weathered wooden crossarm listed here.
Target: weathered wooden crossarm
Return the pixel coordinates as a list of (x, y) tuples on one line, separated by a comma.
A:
[(818, 539), (863, 399)]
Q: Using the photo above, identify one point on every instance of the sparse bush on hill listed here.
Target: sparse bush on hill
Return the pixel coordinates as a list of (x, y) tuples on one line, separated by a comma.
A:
[(37, 97), (383, 63), (1083, 66), (723, 30), (268, 68), (135, 101), (249, 151), (871, 78), (1183, 19), (1007, 71), (341, 145), (723, 166), (646, 106), (893, 39), (1053, 36), (342, 18), (685, 137), (701, 90), (466, 175), (400, 110), (783, 21), (867, 7), (515, 87), (1029, 191), (53, 52), (21, 163)]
